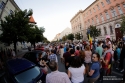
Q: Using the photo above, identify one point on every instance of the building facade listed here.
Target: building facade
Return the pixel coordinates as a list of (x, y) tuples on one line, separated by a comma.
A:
[(105, 15), (77, 24), (65, 32), (56, 38), (6, 8)]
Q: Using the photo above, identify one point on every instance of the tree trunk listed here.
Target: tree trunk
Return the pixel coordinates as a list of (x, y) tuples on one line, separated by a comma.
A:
[(34, 45), (15, 48)]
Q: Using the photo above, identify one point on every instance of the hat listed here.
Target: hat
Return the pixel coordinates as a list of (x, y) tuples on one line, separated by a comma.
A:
[(108, 36)]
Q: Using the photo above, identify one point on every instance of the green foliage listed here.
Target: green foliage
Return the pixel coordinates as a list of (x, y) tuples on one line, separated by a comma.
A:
[(64, 38), (122, 29), (70, 37), (16, 27), (36, 35), (94, 32), (78, 36)]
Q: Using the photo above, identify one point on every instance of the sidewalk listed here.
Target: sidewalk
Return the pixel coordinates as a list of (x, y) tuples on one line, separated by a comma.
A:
[(21, 53)]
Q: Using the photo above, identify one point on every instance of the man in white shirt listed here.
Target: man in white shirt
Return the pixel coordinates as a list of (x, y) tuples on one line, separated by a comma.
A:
[(55, 76)]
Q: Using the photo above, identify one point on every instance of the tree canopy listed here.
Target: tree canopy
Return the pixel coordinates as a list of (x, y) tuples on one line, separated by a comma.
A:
[(70, 36), (64, 38), (15, 27), (122, 29), (94, 32), (36, 35), (78, 36)]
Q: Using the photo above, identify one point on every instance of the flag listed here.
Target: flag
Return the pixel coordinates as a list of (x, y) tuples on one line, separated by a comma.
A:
[(90, 41)]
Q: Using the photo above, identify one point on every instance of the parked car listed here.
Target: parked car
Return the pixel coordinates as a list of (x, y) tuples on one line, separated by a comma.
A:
[(41, 48), (24, 71), (33, 56)]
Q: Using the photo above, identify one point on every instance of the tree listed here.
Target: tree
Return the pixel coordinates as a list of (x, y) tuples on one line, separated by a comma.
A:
[(36, 35), (15, 27), (122, 29), (64, 38), (70, 37), (94, 32), (78, 36)]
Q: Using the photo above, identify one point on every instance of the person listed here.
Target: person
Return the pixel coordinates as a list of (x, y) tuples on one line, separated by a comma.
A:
[(66, 56), (82, 55), (94, 72), (108, 42), (72, 51), (122, 57), (61, 53), (88, 55), (53, 56), (77, 51), (56, 76), (106, 62), (99, 49), (117, 53), (42, 63), (76, 70)]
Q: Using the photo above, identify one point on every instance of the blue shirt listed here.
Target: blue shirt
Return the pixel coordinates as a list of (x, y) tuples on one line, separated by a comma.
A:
[(64, 49), (95, 66), (118, 52)]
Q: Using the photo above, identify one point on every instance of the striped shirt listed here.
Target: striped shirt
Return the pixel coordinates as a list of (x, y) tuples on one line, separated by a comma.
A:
[(57, 77)]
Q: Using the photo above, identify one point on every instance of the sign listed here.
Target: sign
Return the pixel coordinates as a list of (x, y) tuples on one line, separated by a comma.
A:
[(117, 25)]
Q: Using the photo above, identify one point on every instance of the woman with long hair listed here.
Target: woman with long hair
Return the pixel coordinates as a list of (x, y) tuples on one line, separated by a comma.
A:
[(88, 55), (76, 70)]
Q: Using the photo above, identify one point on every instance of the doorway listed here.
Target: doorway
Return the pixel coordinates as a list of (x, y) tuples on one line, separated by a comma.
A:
[(118, 34)]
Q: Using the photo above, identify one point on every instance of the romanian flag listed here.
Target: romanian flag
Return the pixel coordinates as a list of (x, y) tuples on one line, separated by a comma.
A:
[(90, 41)]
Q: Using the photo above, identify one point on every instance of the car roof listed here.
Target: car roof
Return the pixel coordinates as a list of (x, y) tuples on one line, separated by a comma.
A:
[(34, 51), (19, 64)]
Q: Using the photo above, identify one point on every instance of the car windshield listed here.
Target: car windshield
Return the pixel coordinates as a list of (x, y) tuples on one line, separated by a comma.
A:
[(27, 76)]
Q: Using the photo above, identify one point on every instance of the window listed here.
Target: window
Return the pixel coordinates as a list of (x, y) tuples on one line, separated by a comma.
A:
[(124, 5), (102, 4), (2, 5), (98, 7), (108, 1), (119, 9), (111, 30), (100, 31), (102, 18), (90, 12), (107, 15), (97, 19), (92, 21), (105, 31), (88, 22), (113, 12), (11, 11), (94, 9)]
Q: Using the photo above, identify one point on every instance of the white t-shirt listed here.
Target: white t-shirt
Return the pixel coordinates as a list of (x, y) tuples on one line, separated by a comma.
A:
[(77, 74)]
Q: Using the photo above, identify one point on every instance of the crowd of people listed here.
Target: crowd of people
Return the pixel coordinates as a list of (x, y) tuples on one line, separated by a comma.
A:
[(83, 59), (80, 59)]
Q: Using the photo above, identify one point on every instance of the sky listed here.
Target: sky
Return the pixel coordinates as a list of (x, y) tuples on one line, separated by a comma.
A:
[(53, 15)]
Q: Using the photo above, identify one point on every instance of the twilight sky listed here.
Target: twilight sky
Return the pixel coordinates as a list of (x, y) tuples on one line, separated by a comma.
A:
[(54, 15)]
